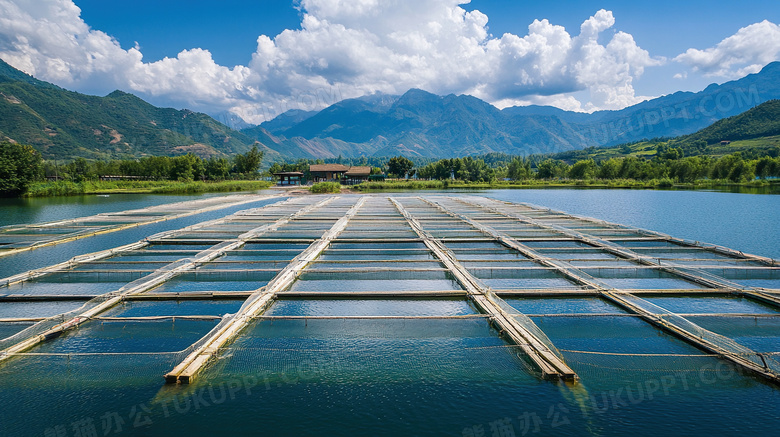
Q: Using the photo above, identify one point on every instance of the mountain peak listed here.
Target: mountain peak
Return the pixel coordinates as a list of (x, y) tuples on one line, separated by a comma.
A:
[(772, 65), (419, 92), (116, 94), (417, 99), (771, 68)]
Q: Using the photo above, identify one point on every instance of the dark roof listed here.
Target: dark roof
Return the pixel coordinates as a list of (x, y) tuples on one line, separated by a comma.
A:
[(288, 173), (359, 171), (328, 167)]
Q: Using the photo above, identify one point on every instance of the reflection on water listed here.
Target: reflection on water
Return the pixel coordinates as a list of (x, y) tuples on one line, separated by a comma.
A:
[(375, 307), (47, 209), (46, 256)]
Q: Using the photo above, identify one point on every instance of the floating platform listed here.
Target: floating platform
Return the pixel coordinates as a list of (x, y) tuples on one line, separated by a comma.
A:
[(492, 257), (20, 238)]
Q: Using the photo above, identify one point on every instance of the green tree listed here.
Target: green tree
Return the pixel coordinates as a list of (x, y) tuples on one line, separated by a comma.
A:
[(400, 166), (610, 169), (585, 169), (472, 170), (635, 168), (157, 167), (551, 168), (217, 169), (665, 151), (742, 172), (767, 167), (81, 170), (248, 164), (688, 169), (186, 168), (519, 169), (19, 166), (275, 168), (724, 167), (131, 167), (106, 168)]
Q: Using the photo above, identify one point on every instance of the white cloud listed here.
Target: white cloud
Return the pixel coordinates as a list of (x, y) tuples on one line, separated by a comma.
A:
[(49, 40), (345, 48), (563, 101), (745, 52)]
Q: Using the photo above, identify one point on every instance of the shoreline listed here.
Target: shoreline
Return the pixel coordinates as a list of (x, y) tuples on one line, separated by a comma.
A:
[(67, 189), (771, 187)]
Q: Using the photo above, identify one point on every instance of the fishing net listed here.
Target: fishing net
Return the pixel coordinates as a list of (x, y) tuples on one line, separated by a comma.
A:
[(359, 350)]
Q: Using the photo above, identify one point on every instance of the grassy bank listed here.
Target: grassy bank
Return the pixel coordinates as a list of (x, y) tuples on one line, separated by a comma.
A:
[(563, 183), (63, 188)]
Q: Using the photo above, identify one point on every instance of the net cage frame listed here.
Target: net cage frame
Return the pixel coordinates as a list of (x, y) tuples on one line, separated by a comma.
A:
[(440, 228)]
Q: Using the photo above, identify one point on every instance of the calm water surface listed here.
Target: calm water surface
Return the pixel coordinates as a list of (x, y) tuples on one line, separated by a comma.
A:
[(49, 255), (746, 222), (47, 209)]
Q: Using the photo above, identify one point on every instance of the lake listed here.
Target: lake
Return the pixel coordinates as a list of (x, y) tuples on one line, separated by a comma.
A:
[(746, 222)]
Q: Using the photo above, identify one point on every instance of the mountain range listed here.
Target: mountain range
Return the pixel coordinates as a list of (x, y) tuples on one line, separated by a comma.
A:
[(63, 124), (66, 124), (419, 123)]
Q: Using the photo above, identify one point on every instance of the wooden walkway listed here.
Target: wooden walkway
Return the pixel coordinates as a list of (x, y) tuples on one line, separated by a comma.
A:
[(551, 364)]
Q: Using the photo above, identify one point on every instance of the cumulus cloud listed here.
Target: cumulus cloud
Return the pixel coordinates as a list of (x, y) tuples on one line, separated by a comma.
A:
[(745, 52), (344, 48), (390, 47), (49, 40)]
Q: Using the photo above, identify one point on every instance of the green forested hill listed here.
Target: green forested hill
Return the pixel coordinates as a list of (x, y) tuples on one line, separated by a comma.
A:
[(761, 121), (63, 124), (754, 133)]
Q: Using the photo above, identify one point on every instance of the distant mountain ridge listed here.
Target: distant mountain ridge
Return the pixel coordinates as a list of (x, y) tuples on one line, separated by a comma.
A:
[(419, 123), (64, 124)]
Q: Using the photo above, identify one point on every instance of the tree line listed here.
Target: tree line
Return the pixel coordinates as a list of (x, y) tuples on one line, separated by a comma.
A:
[(667, 163), (732, 167), (21, 165)]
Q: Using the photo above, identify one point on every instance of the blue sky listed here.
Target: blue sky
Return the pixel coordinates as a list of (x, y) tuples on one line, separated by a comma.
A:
[(338, 49)]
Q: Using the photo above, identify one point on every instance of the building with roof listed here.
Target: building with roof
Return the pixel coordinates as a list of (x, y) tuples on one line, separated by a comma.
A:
[(327, 172), (356, 175), (289, 177)]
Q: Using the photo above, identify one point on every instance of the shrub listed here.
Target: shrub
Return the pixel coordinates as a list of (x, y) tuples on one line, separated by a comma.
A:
[(326, 187), (20, 166)]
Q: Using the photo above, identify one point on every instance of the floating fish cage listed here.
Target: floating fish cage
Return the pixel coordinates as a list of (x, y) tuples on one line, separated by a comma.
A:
[(382, 293), (19, 238)]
